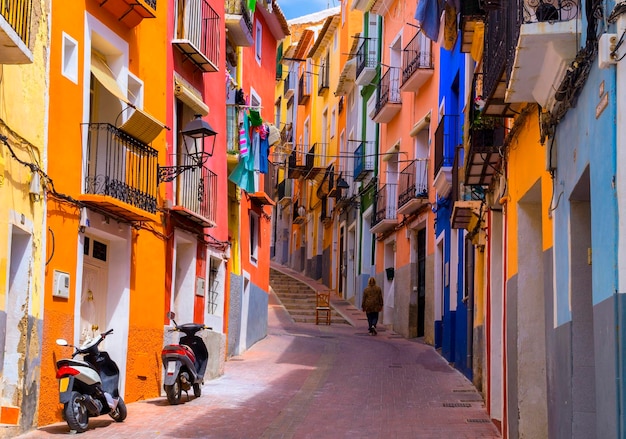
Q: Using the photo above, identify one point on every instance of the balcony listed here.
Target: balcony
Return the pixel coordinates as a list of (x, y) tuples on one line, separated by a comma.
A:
[(484, 154), (15, 20), (297, 162), (316, 161), (299, 213), (238, 23), (120, 174), (417, 63), (389, 102), (547, 44), (472, 20), (130, 12), (380, 7), (346, 78), (196, 194), (289, 85), (447, 139), (304, 88), (323, 79), (197, 34), (366, 62), (413, 187), (363, 160), (265, 197), (284, 190), (385, 216)]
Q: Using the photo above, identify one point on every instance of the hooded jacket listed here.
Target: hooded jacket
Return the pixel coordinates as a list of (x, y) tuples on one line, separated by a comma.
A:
[(372, 297)]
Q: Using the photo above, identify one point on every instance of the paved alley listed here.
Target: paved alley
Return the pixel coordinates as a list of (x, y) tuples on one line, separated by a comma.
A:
[(306, 381)]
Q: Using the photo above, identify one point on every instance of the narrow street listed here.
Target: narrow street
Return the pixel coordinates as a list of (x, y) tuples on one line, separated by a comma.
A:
[(307, 381)]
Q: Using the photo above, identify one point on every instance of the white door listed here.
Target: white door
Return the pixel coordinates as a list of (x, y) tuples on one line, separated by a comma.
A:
[(93, 298)]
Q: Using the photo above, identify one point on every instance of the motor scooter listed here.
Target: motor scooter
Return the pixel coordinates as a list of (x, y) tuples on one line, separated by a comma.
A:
[(185, 362), (89, 387)]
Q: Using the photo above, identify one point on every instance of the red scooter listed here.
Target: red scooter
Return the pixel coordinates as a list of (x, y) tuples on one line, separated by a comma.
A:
[(185, 362)]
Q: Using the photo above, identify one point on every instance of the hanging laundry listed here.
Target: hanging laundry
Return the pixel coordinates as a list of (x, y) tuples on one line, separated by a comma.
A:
[(428, 14), (450, 26), (255, 118), (264, 151), (243, 137), (251, 5)]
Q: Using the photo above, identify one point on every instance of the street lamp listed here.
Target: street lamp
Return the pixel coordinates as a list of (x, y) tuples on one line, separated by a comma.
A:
[(194, 135)]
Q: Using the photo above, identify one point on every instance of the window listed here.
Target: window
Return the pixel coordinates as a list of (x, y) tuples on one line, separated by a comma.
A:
[(258, 42), (333, 119), (254, 237), (214, 286), (70, 58)]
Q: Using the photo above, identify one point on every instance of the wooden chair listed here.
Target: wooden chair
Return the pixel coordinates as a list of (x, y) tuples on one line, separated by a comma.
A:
[(322, 307)]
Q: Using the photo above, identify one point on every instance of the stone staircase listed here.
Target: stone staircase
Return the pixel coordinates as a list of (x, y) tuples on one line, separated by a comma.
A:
[(298, 298)]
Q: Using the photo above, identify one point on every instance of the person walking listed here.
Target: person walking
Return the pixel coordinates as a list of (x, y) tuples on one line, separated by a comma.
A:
[(372, 304)]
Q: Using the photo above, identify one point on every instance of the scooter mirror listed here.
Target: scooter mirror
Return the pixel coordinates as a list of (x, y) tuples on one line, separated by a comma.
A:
[(171, 315), (62, 342)]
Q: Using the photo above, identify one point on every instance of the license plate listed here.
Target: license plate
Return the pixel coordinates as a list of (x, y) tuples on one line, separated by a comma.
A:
[(63, 383), (171, 367)]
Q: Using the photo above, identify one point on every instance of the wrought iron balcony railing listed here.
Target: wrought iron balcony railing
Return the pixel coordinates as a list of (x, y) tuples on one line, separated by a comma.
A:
[(196, 191), (447, 138), (121, 167), (363, 160), (239, 7), (386, 204), (365, 57), (323, 79), (289, 84), (388, 94), (417, 62), (304, 88), (413, 182), (198, 34)]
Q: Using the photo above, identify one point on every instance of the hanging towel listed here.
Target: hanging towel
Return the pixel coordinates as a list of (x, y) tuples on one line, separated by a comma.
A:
[(264, 152), (255, 118), (428, 13), (244, 139), (242, 177)]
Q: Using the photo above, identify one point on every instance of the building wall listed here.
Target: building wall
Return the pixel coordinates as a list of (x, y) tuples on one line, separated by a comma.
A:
[(23, 117)]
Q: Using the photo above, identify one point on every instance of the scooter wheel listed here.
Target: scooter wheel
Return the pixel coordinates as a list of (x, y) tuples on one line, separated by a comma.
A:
[(174, 392), (197, 390), (75, 413), (120, 412)]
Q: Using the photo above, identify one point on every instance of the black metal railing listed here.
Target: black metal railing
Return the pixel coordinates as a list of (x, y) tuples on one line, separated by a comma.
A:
[(363, 161), (290, 82), (196, 189), (417, 55), (386, 203), (323, 79), (447, 138), (121, 167), (284, 189), (239, 7), (413, 181), (201, 27), (297, 157), (269, 179), (17, 13), (549, 10), (389, 88), (304, 88), (363, 57), (316, 157)]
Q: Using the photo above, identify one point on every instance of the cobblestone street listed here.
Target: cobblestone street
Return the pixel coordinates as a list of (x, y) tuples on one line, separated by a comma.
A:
[(306, 381)]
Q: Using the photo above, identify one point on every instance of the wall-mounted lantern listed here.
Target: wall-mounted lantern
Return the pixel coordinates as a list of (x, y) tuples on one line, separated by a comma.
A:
[(194, 135)]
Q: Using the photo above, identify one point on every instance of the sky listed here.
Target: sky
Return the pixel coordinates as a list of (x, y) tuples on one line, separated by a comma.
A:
[(298, 8)]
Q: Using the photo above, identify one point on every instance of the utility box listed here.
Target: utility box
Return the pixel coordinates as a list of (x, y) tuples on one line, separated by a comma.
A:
[(61, 287)]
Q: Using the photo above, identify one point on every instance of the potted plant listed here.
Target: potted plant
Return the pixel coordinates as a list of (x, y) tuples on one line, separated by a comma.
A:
[(485, 131)]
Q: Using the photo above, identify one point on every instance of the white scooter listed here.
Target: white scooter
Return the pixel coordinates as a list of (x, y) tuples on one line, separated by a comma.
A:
[(89, 387)]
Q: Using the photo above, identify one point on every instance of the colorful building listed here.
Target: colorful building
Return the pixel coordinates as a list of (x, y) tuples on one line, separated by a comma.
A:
[(253, 37), (24, 32)]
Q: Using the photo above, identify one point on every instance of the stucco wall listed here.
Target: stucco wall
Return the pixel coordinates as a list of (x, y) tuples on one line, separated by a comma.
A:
[(234, 314), (257, 316)]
